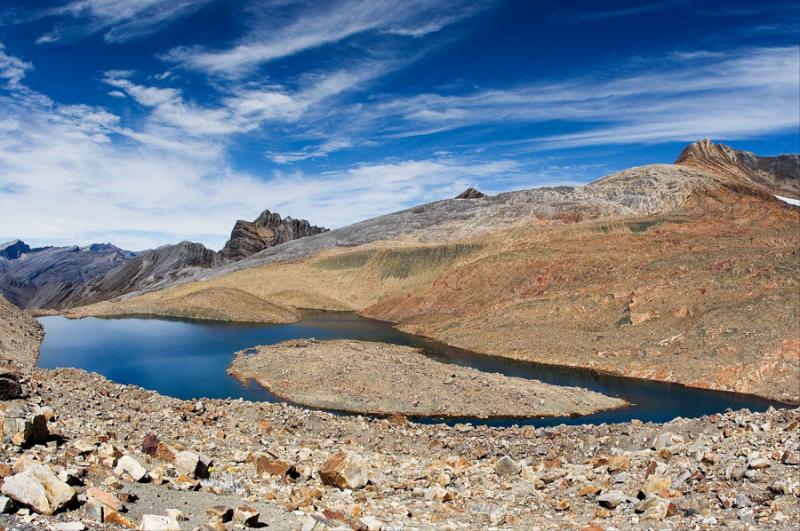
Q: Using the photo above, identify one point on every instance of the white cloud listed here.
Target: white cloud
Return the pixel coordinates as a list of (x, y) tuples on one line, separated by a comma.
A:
[(316, 26), (119, 20), (311, 152), (12, 69), (737, 94)]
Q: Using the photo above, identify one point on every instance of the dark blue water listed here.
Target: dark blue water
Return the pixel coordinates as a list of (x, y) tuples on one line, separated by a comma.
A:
[(189, 359)]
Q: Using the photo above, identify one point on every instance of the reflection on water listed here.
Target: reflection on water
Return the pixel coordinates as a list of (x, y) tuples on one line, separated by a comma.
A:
[(187, 360)]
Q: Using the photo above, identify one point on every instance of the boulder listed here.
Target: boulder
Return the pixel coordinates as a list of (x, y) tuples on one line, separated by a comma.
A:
[(165, 452), (38, 488), (220, 513), (655, 484), (666, 439), (505, 466), (611, 499), (273, 467), (114, 518), (129, 465), (104, 499), (10, 388), (246, 516), (23, 423), (192, 464), (345, 470), (155, 522)]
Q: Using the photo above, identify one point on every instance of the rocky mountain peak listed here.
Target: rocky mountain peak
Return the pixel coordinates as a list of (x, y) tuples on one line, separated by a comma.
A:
[(470, 193), (268, 230), (14, 249), (780, 174)]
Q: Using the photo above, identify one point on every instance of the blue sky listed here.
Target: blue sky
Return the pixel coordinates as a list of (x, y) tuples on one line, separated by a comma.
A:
[(144, 122)]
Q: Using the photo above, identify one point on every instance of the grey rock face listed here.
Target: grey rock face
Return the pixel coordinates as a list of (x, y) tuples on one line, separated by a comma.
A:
[(268, 230), (52, 277), (150, 268), (14, 249)]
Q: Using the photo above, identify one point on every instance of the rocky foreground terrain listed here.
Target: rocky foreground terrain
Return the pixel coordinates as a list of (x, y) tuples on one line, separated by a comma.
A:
[(80, 452), (381, 378)]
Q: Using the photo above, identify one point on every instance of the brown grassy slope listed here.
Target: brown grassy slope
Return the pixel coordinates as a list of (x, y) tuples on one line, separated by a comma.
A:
[(208, 304), (20, 336)]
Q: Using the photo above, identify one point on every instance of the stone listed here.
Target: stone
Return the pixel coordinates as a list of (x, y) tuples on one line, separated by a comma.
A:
[(656, 484), (758, 463), (10, 388), (104, 498), (38, 488), (505, 466), (611, 499), (790, 457), (154, 522), (654, 508), (115, 518), (150, 444), (369, 523), (589, 490), (618, 463), (220, 512), (165, 452), (666, 439), (246, 516), (192, 464), (23, 424), (273, 467), (6, 505), (127, 464), (68, 526), (176, 515), (345, 470)]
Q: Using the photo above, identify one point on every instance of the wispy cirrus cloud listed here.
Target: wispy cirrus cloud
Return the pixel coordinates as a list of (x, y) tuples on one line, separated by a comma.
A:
[(691, 94), (118, 21), (309, 27)]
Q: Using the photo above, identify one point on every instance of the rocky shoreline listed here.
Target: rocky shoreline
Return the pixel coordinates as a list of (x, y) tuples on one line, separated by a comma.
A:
[(385, 379)]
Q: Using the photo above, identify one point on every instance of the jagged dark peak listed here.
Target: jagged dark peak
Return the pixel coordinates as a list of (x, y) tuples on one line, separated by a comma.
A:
[(470, 193), (14, 249), (267, 230)]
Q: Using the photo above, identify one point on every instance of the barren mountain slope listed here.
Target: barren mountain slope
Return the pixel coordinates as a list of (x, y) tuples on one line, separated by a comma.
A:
[(53, 277), (666, 271), (20, 336)]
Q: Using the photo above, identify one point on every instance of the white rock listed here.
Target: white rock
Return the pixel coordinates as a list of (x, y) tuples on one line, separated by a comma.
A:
[(192, 464), (38, 488), (155, 522), (370, 523), (69, 526), (127, 464)]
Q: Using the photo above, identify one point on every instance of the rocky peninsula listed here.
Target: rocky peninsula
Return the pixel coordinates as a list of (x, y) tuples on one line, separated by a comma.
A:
[(386, 379)]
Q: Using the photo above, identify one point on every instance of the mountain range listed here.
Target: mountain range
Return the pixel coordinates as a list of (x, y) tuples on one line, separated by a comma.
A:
[(63, 277)]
